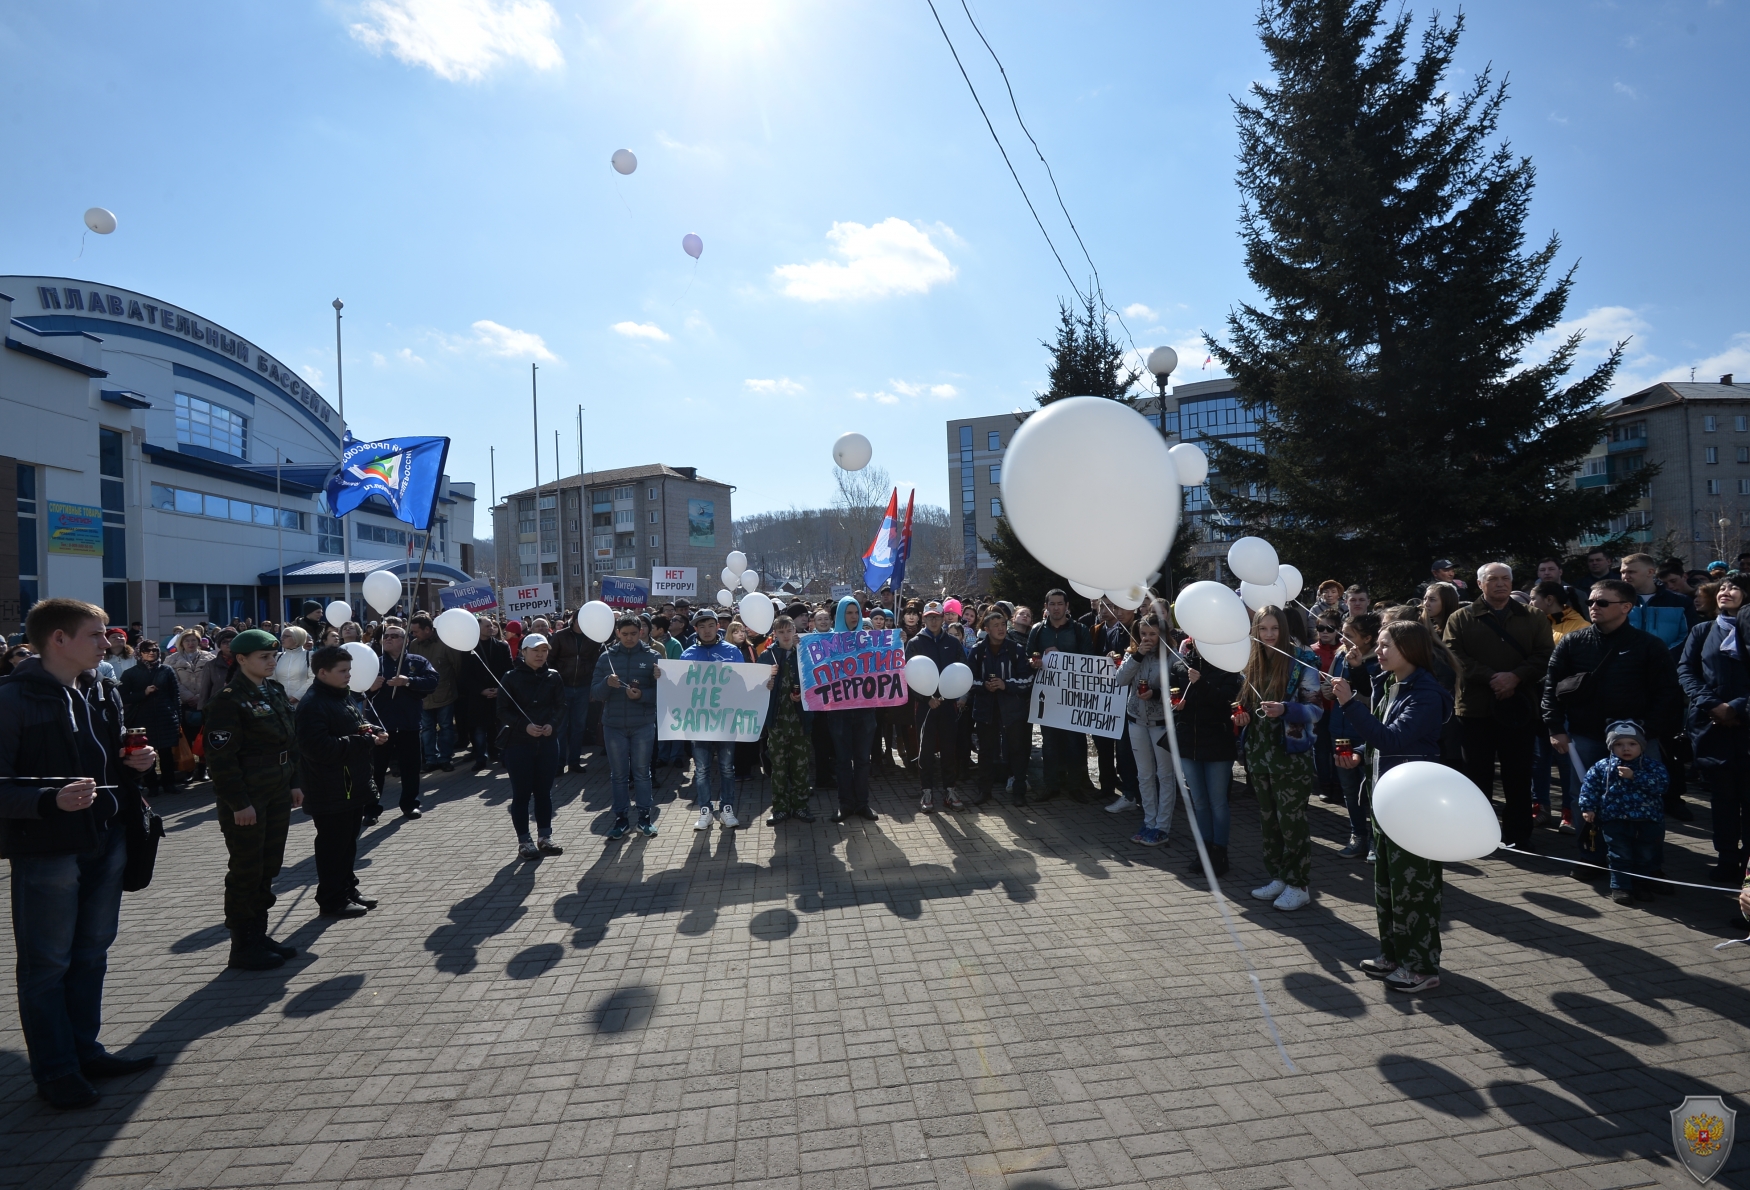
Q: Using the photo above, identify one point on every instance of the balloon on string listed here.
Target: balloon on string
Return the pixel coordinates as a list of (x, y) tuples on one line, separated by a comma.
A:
[(725, 599), (1108, 454), (100, 221), (382, 590), (956, 681), (365, 667), (852, 452), (1085, 591), (1190, 464), (1231, 656), (757, 612), (1292, 583), (1259, 596), (458, 629), (750, 580), (1130, 598), (731, 577), (692, 245), (623, 161), (1435, 812), (922, 676), (597, 620), (1211, 612), (337, 613), (1253, 560), (736, 562)]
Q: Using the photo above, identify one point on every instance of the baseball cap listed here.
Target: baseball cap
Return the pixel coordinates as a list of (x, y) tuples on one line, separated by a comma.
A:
[(704, 613), (1443, 564), (534, 641), (932, 608)]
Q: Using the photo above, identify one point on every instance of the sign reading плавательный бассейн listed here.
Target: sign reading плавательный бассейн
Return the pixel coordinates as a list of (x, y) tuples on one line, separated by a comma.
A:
[(1078, 692)]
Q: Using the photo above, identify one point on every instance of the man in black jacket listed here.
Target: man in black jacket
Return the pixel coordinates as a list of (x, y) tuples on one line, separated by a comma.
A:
[(574, 656), (66, 838), (1002, 678), (937, 718), (404, 682), (334, 762)]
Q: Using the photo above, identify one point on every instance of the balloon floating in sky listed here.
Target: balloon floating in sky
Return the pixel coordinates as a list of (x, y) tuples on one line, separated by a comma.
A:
[(623, 160), (692, 245), (100, 221), (852, 451)]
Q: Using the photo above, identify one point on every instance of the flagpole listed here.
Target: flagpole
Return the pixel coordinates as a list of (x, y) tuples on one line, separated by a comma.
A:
[(535, 413), (558, 519), (279, 534), (340, 391), (586, 542)]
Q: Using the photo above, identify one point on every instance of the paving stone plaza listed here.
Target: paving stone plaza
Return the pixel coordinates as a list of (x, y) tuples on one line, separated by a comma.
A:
[(1005, 997)]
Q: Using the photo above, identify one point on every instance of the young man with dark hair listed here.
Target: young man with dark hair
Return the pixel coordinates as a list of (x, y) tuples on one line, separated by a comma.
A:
[(335, 743), (67, 843), (1066, 752), (437, 711), (404, 681), (625, 685)]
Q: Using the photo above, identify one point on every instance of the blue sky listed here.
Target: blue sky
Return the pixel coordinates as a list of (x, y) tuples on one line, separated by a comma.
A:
[(443, 166)]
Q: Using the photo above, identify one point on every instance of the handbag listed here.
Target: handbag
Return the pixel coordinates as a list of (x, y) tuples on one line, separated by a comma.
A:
[(185, 760), (144, 830), (1573, 687)]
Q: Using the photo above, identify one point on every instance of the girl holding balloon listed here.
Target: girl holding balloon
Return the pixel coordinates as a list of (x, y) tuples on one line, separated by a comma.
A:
[(1410, 708), (1279, 706)]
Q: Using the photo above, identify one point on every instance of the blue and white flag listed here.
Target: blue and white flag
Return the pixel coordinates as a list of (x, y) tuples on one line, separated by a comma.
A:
[(406, 472), (878, 558)]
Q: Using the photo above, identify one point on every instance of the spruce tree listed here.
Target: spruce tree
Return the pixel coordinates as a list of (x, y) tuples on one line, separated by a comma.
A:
[(1384, 227), (1086, 361)]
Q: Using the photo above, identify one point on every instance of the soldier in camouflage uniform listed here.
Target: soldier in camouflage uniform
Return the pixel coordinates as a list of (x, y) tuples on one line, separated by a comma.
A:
[(788, 728), (252, 754)]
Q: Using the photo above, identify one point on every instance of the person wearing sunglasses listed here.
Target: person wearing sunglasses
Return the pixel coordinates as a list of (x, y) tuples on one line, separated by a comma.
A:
[(1604, 673)]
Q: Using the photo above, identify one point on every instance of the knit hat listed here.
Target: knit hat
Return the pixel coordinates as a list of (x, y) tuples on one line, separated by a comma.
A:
[(253, 640), (310, 605), (1624, 729)]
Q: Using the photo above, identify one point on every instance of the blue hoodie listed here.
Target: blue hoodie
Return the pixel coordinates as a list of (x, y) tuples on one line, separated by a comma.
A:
[(839, 624)]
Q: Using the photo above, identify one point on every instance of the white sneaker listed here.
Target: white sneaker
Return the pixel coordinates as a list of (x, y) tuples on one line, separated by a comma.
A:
[(927, 803), (704, 823), (1270, 891), (728, 819), (1122, 804), (1292, 898)]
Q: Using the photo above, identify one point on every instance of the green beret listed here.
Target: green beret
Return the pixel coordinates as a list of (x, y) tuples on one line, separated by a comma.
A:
[(252, 641)]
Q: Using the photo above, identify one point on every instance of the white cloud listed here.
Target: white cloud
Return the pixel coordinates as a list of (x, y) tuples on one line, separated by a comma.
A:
[(312, 374), (1604, 327), (462, 40), (406, 356), (880, 398), (503, 341), (891, 257), (1734, 359), (943, 391), (378, 359), (641, 330), (782, 385), (1138, 310), (1622, 88)]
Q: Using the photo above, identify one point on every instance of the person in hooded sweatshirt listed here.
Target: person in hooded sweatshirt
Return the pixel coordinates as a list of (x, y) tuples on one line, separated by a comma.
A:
[(713, 760), (853, 735), (1404, 724)]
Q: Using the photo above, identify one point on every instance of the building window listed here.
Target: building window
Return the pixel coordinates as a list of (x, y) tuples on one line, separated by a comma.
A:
[(381, 534), (1597, 466), (624, 493), (1744, 487), (996, 474), (968, 510), (1709, 424), (1741, 423), (547, 502), (622, 519), (603, 541), (330, 535), (653, 516), (167, 499), (1713, 487), (1744, 454), (650, 493), (571, 547), (203, 423), (1713, 454), (996, 508), (1627, 432), (993, 441), (28, 574), (655, 540)]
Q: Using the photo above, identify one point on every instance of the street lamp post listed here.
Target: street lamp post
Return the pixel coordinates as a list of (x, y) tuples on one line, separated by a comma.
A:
[(340, 391), (1162, 361)]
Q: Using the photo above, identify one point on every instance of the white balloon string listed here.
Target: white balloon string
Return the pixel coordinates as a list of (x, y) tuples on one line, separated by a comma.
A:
[(1607, 868), (1203, 852), (82, 236), (513, 702)]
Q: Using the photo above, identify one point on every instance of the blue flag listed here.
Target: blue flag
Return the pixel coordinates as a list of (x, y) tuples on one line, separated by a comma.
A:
[(404, 471), (902, 555), (878, 558)]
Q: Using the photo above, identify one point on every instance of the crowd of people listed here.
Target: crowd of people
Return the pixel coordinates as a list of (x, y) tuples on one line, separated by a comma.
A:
[(1588, 706)]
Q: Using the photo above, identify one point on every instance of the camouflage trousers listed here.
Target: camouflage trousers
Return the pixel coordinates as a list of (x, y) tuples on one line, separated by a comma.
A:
[(1406, 891), (1282, 783), (792, 763), (256, 854)]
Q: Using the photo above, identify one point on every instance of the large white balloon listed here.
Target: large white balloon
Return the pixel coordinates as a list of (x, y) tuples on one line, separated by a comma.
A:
[(1435, 812), (692, 245), (750, 580), (1085, 591), (1259, 596), (1211, 612), (730, 577), (1231, 656), (365, 665), (1189, 463), (597, 620), (382, 590), (1107, 455), (724, 598), (1292, 583), (623, 161), (458, 629), (1253, 560), (1130, 598), (956, 681), (852, 452), (756, 612), (100, 221), (922, 676), (337, 613), (736, 562)]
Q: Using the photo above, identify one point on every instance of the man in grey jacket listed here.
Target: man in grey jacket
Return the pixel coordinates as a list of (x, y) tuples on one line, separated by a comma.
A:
[(625, 686)]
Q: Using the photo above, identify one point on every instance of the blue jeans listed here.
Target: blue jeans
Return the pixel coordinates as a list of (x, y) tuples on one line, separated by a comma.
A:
[(629, 756), (437, 734), (713, 767), (1349, 781), (1542, 759), (1207, 782), (1634, 845), (65, 909), (572, 730)]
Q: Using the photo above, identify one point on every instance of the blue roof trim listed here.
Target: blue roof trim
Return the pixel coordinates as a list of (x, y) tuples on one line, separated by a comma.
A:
[(188, 373), (129, 400), (106, 326), (51, 358), (176, 460)]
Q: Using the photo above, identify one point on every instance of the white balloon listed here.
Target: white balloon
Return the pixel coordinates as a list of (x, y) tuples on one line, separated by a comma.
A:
[(1253, 560), (852, 452), (1130, 598), (750, 580), (1259, 596), (725, 599), (1211, 612), (597, 620), (1189, 463), (1435, 812), (1085, 591), (365, 665), (382, 590), (338, 613), (956, 681), (757, 612), (458, 629), (730, 578), (623, 161), (100, 221), (1292, 583), (1108, 455), (736, 562), (1231, 656), (922, 676)]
